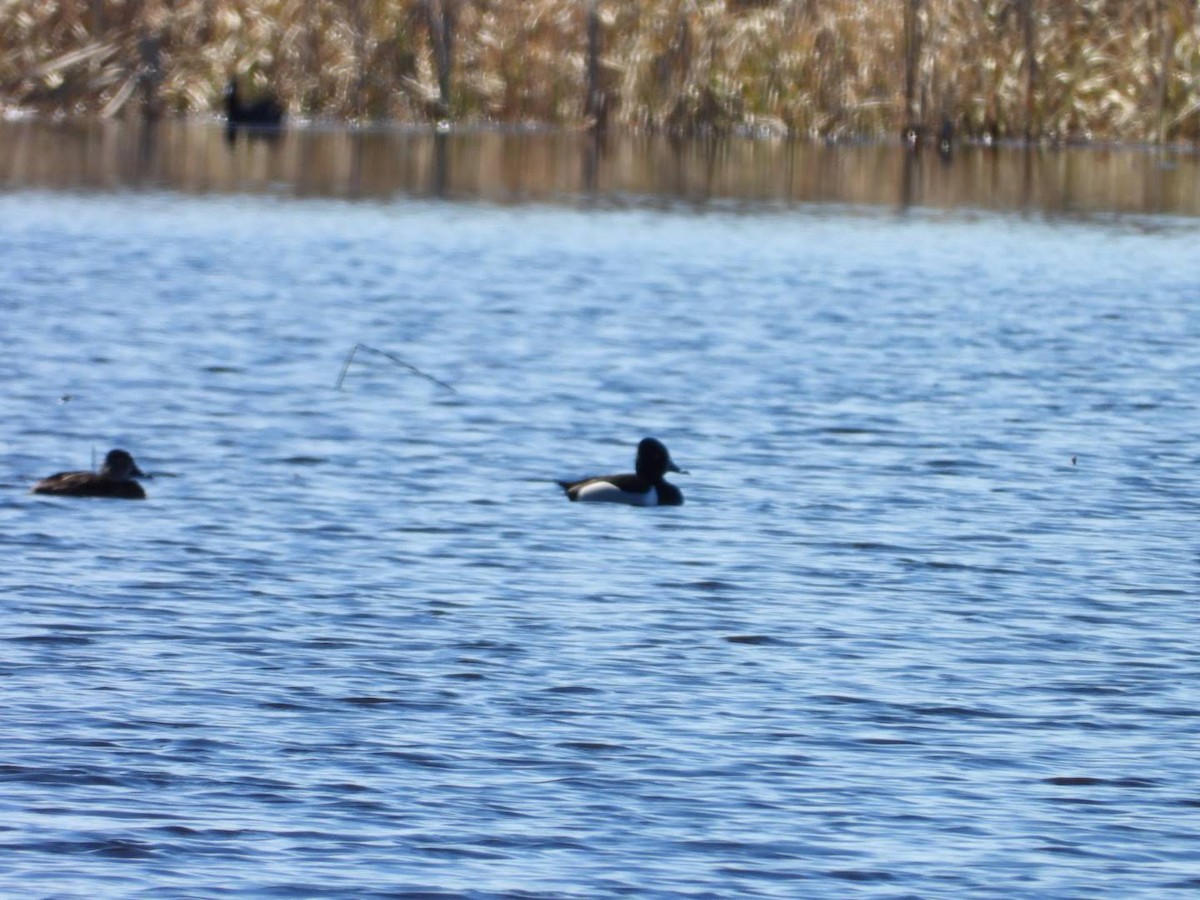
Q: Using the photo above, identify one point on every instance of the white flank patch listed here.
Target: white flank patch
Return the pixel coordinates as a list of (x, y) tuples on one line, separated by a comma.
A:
[(604, 492)]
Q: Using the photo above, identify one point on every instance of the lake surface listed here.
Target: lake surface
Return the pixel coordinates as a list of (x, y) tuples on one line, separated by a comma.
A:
[(925, 627)]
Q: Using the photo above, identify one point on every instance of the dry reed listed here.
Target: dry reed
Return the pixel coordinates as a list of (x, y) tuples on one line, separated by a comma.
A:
[(1047, 69)]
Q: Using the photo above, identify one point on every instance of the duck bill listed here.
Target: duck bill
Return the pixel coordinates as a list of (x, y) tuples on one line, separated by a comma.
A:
[(671, 467)]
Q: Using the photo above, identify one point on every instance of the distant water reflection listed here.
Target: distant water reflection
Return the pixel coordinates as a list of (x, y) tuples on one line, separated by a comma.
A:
[(512, 167)]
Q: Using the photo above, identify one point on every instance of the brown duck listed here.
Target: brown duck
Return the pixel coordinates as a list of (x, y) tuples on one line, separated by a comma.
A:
[(115, 479)]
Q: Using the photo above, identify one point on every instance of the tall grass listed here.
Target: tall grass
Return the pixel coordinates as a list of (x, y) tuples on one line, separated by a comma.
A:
[(1049, 69)]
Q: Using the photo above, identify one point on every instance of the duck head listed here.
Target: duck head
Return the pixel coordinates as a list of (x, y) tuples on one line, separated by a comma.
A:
[(119, 464), (653, 460)]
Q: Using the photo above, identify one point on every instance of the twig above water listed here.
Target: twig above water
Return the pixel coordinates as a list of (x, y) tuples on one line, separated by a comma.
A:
[(397, 360)]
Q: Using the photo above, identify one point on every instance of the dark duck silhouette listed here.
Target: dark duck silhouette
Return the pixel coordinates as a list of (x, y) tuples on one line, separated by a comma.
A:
[(945, 142), (646, 487), (264, 112), (115, 479)]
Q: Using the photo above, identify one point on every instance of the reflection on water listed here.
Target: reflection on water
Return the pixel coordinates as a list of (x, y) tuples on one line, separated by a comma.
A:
[(509, 167)]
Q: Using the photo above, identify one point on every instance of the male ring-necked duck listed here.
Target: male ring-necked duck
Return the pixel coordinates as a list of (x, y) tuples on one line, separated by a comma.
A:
[(645, 488), (115, 479)]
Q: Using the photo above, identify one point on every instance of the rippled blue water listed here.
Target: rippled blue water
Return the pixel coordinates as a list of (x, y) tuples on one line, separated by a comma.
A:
[(356, 643)]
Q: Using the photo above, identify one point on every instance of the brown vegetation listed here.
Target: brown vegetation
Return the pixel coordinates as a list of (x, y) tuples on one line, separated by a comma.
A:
[(1055, 69)]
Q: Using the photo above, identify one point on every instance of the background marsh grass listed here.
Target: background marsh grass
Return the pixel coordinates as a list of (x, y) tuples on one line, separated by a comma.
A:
[(1100, 69)]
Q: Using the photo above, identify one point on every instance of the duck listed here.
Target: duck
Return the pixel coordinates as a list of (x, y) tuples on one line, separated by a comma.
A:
[(115, 479), (264, 113), (645, 487)]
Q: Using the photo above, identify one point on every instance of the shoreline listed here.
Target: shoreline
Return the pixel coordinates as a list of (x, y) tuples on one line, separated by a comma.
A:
[(324, 124)]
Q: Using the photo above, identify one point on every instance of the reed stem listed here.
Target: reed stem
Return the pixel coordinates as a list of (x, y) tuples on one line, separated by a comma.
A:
[(1028, 29), (912, 55)]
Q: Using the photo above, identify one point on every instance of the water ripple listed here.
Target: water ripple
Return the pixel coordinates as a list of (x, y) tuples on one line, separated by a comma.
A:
[(358, 644)]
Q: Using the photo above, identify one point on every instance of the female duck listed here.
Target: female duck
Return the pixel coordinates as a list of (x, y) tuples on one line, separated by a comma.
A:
[(115, 479), (646, 487)]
